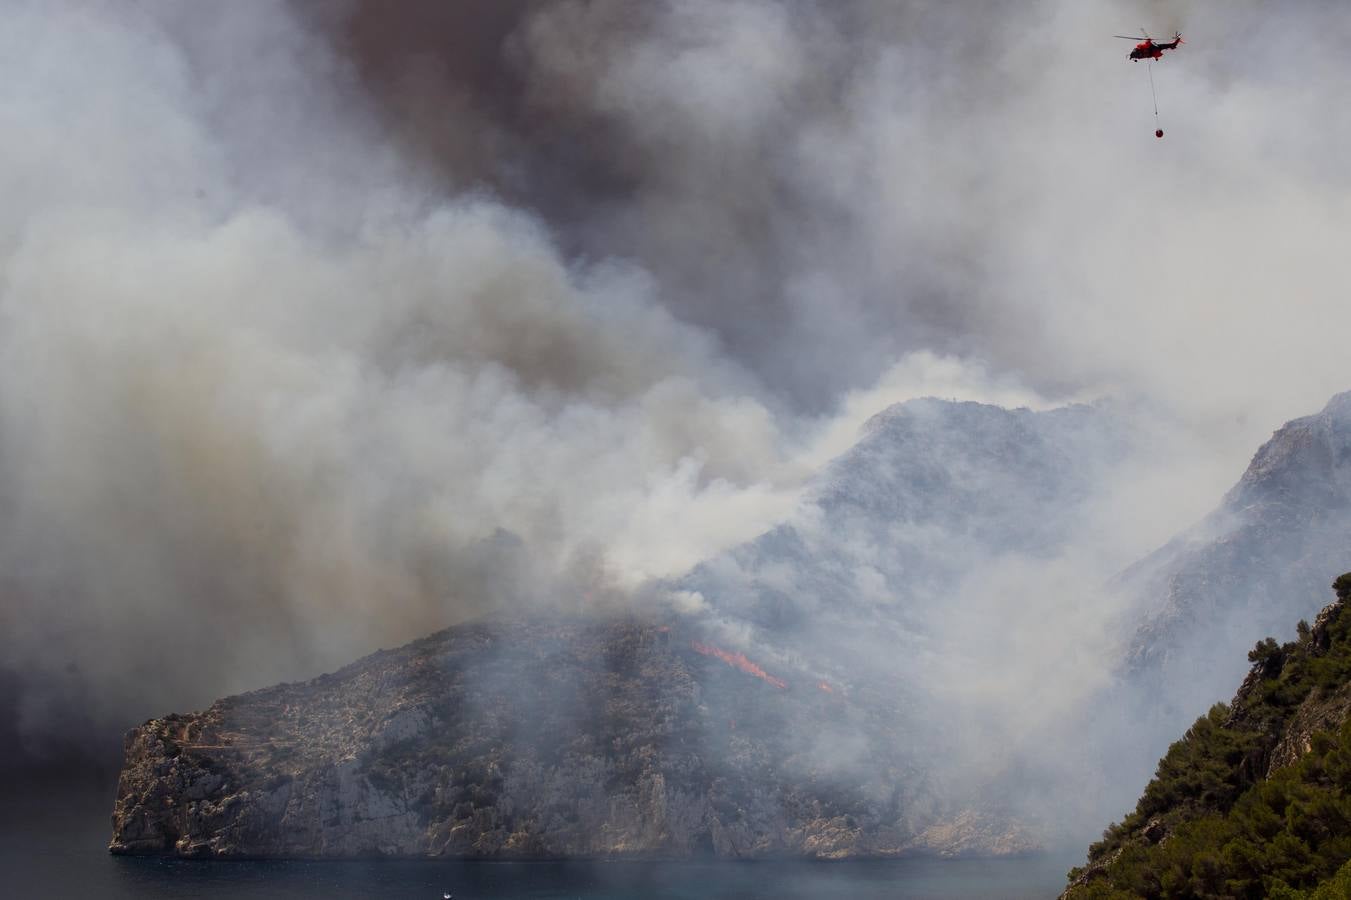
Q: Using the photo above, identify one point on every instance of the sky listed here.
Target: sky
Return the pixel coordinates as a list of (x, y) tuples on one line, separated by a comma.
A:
[(323, 326)]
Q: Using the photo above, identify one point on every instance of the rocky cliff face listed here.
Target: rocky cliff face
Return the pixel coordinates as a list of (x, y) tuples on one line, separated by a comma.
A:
[(1253, 567), (543, 740)]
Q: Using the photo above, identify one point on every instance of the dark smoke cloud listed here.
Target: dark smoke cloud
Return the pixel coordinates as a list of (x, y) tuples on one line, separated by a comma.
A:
[(687, 136), (826, 186)]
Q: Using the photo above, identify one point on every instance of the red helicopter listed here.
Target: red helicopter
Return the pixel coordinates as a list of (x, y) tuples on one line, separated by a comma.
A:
[(1147, 49)]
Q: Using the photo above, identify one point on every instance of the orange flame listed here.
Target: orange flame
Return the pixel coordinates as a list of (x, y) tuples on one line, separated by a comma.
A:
[(739, 661), (825, 686)]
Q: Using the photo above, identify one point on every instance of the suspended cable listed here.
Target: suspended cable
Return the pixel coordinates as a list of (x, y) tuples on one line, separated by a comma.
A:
[(1158, 129)]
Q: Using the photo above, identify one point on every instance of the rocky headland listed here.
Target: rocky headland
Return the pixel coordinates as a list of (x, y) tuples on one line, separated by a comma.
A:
[(538, 740)]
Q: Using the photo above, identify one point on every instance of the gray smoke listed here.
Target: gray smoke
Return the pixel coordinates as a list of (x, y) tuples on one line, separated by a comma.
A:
[(323, 326)]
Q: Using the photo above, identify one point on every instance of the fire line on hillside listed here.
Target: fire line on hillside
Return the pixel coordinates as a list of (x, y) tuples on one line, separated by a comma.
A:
[(739, 661)]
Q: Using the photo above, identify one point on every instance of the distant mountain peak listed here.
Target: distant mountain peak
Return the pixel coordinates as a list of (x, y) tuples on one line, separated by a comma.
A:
[(1255, 564), (1306, 459)]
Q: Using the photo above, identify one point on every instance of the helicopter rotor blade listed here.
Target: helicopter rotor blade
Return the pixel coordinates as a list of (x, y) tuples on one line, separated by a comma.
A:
[(1126, 37)]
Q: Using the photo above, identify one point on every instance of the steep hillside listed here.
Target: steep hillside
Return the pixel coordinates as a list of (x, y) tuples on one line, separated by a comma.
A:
[(930, 489), (559, 739), (930, 497), (1255, 800), (1252, 567), (883, 577)]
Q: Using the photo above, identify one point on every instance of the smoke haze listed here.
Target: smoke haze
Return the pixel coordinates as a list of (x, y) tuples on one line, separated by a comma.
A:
[(324, 325)]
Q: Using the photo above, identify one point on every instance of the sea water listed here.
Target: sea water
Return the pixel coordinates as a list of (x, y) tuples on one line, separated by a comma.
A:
[(57, 848)]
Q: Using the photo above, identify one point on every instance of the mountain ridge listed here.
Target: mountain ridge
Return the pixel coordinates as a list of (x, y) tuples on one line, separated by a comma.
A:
[(1250, 567)]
